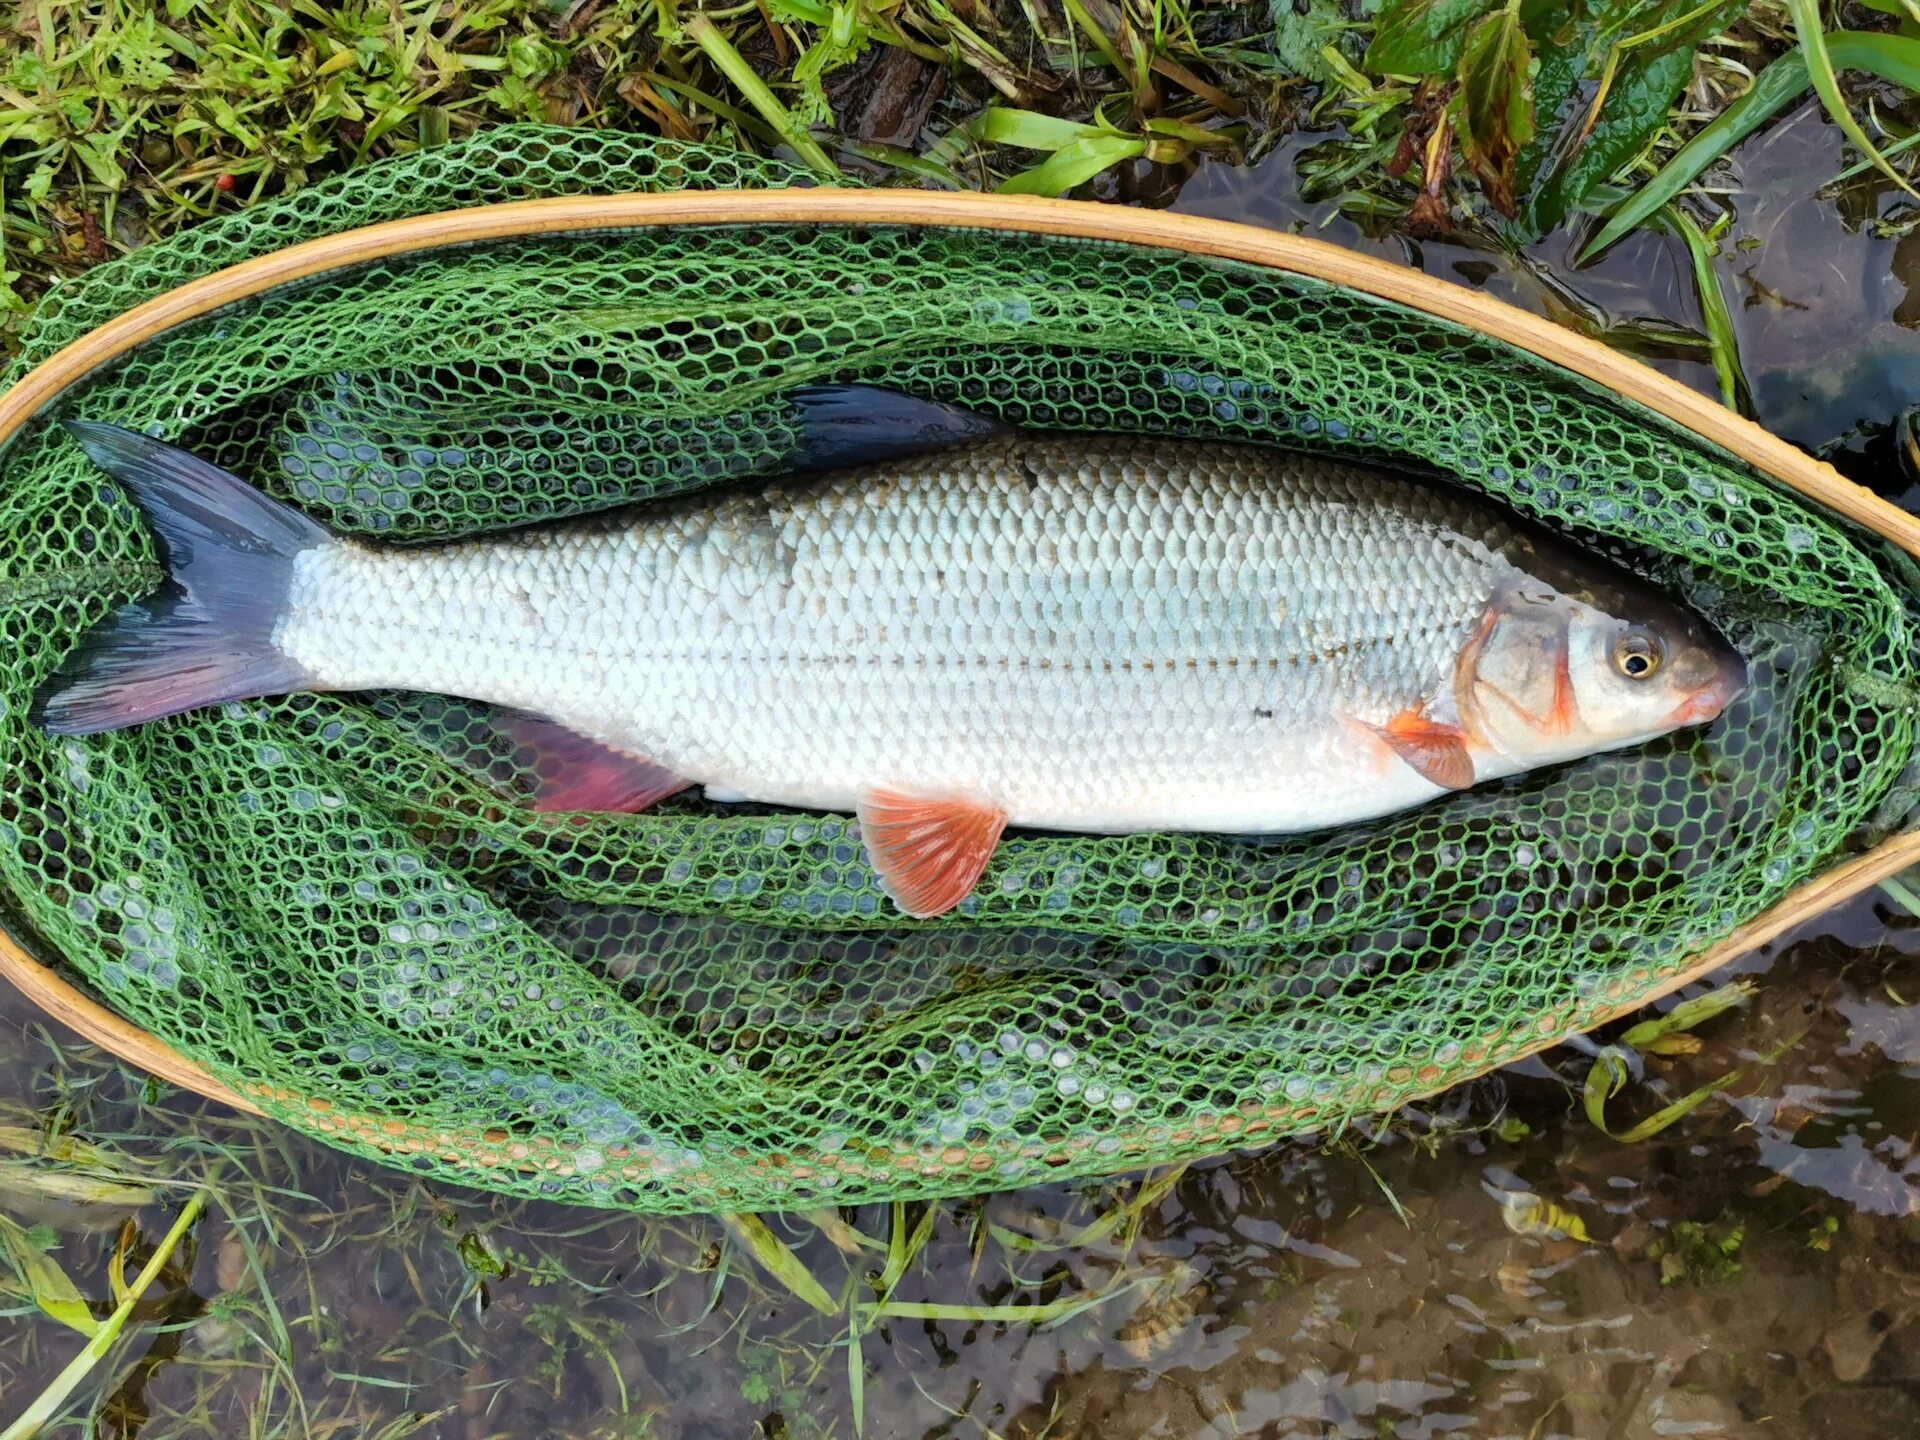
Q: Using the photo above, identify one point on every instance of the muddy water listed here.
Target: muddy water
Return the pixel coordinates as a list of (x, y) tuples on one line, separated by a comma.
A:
[(1492, 1265)]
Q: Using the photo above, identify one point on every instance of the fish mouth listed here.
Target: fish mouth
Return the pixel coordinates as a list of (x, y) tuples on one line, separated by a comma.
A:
[(1729, 682)]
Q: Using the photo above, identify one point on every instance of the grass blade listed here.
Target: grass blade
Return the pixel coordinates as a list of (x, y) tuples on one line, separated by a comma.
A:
[(1813, 45), (733, 65), (1779, 83), (47, 1404), (1043, 1314), (902, 1247), (1667, 1114), (777, 1260), (1891, 57), (1890, 151), (1723, 345), (856, 1374), (26, 1179), (1073, 164), (1030, 130), (1077, 12), (845, 1239), (1686, 1015), (47, 1284), (1902, 892)]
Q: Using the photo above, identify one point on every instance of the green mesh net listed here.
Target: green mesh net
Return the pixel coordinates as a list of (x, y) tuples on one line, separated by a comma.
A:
[(342, 907)]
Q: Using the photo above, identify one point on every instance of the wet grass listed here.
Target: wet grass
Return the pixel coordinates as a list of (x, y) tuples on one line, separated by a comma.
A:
[(123, 122), (120, 123)]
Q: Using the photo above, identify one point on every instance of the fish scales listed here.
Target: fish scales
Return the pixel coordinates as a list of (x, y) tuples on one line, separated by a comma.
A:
[(1090, 633)]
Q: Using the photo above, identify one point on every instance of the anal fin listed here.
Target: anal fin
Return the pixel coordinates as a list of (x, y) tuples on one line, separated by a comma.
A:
[(1438, 752), (572, 772), (930, 850)]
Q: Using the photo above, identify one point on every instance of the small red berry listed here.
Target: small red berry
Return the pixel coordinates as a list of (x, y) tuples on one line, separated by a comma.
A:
[(223, 182)]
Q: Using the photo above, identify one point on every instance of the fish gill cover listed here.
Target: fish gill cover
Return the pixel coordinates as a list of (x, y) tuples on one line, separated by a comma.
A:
[(342, 907)]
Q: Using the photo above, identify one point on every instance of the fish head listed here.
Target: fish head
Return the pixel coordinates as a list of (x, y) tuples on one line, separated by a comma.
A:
[(1551, 676)]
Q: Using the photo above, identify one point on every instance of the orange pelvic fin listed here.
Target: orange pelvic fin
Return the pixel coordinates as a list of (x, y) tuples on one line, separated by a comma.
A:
[(1438, 752), (571, 772), (929, 849)]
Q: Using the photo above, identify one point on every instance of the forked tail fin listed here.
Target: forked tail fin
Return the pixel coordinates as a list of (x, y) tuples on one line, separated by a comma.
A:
[(207, 636)]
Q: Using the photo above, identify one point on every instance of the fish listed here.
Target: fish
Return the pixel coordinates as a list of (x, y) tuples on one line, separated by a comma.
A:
[(973, 628)]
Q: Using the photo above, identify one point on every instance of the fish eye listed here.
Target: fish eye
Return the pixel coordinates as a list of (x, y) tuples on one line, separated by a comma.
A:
[(1637, 656)]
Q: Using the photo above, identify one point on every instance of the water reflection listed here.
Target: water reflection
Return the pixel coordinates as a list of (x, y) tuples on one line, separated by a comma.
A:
[(1827, 315)]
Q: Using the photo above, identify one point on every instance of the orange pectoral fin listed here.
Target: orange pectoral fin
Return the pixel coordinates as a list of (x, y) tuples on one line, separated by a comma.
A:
[(930, 850), (1438, 752)]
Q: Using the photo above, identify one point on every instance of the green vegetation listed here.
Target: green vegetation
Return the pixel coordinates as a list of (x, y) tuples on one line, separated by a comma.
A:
[(120, 122), (1695, 1254)]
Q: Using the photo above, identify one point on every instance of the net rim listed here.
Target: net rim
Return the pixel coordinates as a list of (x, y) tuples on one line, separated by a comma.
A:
[(1304, 256), (1033, 215)]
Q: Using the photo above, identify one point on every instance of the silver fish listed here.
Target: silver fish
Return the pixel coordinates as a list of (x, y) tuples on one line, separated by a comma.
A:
[(1090, 633)]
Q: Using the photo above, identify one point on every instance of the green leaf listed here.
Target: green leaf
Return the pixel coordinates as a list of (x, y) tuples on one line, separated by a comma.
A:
[(478, 1256), (1496, 101), (1667, 1114), (46, 1282), (806, 12), (27, 1178), (1073, 164), (842, 40), (96, 152), (531, 58), (1423, 37), (1689, 1013), (41, 1410), (1725, 347), (28, 71), (730, 63), (779, 1261), (1891, 57), (1030, 130), (141, 54), (1779, 83), (1604, 1078), (1300, 38), (1813, 46), (1648, 79), (1556, 78), (856, 1374), (1553, 25), (1888, 56), (1048, 1313), (1187, 133)]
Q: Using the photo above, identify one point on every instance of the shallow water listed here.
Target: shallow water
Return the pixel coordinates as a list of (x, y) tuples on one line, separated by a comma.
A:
[(1752, 1270)]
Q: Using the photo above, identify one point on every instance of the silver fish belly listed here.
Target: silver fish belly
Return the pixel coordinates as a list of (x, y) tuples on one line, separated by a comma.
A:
[(1106, 634)]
